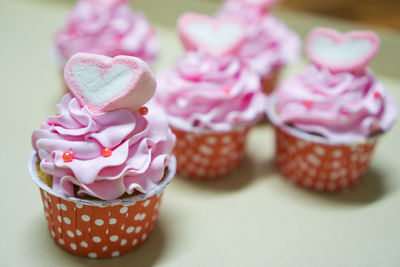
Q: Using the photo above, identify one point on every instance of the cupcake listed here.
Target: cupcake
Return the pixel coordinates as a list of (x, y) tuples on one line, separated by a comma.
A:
[(211, 103), (269, 44), (329, 117), (109, 28), (103, 161)]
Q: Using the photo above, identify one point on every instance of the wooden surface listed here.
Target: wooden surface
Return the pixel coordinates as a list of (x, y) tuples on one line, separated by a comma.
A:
[(384, 13)]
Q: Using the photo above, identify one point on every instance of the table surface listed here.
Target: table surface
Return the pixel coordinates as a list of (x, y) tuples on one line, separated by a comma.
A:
[(252, 218)]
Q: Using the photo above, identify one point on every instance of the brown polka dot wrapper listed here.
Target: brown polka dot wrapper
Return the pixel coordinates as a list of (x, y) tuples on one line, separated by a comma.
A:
[(270, 80), (100, 229), (319, 165), (209, 155)]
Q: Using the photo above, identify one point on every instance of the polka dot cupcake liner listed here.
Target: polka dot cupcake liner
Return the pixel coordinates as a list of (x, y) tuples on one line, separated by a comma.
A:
[(100, 229), (269, 80), (209, 155), (321, 166), (99, 232)]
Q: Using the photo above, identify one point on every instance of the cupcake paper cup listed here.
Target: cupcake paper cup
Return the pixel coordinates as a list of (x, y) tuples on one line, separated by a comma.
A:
[(209, 154), (269, 80), (100, 229), (316, 163), (321, 166)]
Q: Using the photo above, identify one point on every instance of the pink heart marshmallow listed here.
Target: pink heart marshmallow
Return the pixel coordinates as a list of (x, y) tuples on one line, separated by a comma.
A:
[(218, 36), (338, 52), (105, 84)]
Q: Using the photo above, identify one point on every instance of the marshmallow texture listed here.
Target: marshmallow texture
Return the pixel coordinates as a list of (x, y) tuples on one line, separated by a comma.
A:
[(218, 36), (106, 84), (350, 51)]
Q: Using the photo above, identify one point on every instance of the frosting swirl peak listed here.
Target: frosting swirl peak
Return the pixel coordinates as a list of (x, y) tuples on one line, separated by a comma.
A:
[(269, 43), (108, 28), (341, 107), (207, 92), (140, 145)]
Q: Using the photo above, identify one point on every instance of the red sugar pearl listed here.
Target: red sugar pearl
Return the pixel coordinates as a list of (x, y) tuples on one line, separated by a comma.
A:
[(67, 157), (143, 110), (377, 95), (307, 103), (227, 91), (106, 152), (196, 123)]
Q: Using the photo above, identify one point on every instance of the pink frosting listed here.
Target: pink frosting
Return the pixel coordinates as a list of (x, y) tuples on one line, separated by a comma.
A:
[(141, 147), (239, 9), (343, 107), (108, 28), (206, 92), (269, 42)]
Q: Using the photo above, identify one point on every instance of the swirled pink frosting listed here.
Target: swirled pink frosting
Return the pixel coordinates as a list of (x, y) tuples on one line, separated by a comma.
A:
[(342, 107), (269, 43), (205, 92), (141, 146), (108, 28)]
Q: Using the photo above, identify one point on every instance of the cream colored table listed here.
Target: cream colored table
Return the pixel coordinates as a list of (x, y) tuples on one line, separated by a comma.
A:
[(253, 218)]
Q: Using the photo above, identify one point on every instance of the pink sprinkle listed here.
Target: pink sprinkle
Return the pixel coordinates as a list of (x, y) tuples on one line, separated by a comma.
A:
[(67, 156), (307, 103), (377, 95), (106, 152)]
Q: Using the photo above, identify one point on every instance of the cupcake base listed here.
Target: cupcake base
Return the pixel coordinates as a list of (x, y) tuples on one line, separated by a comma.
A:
[(269, 80), (321, 166), (99, 232), (96, 228), (210, 154)]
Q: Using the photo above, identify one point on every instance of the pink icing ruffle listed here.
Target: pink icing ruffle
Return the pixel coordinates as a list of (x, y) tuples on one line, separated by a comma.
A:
[(108, 28), (269, 43), (343, 107), (206, 92), (141, 146)]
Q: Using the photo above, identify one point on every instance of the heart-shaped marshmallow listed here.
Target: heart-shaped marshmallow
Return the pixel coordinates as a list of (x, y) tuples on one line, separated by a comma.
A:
[(351, 51), (105, 84), (262, 4), (218, 36)]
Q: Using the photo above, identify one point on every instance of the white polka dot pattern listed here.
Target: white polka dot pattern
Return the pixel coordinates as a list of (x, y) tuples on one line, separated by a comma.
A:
[(321, 167), (209, 155), (99, 232)]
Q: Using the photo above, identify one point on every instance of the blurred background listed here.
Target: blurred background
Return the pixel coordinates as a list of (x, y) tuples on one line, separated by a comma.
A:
[(381, 13), (382, 16)]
